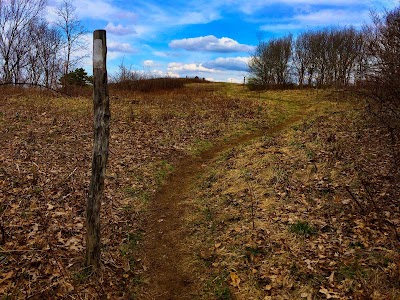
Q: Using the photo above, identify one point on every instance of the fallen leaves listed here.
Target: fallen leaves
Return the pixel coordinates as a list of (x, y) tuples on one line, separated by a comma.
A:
[(301, 176), (6, 276), (329, 294), (235, 280), (308, 296), (46, 148)]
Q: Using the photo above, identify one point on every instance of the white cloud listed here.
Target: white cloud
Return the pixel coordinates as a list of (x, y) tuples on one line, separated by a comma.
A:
[(202, 17), (186, 13), (161, 54), (254, 6), (150, 63), (177, 67), (326, 17), (202, 71), (319, 18), (51, 15), (172, 74), (92, 9), (119, 29), (235, 80), (286, 27), (120, 47), (210, 43), (228, 63), (143, 30), (102, 10), (157, 73)]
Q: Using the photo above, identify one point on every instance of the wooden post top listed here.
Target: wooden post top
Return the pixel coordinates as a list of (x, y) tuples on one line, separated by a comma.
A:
[(99, 49)]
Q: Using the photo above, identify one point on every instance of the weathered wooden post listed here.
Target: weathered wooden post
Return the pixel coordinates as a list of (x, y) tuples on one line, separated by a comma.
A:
[(100, 149)]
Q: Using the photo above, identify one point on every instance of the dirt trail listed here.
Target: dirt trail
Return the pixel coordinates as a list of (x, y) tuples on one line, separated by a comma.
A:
[(164, 252)]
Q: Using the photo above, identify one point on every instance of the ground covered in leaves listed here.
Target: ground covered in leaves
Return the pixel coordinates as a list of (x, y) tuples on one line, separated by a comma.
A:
[(308, 213), (45, 161)]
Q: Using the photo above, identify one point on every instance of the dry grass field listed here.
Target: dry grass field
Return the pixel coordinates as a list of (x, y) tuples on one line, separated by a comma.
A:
[(309, 213), (288, 195)]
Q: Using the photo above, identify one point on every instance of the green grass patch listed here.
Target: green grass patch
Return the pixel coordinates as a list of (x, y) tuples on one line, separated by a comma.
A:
[(203, 145), (219, 287), (131, 243), (208, 214), (200, 146), (130, 191), (350, 271), (302, 228), (164, 170), (136, 193)]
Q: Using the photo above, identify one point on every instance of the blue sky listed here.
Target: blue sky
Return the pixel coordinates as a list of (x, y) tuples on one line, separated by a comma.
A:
[(207, 38)]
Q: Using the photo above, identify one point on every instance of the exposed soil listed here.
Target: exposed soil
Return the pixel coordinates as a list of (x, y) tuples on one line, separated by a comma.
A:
[(332, 171), (310, 213), (45, 146), (164, 252)]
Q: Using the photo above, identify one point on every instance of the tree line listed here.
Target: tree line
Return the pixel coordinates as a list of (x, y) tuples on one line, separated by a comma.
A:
[(330, 57), (34, 51), (367, 59)]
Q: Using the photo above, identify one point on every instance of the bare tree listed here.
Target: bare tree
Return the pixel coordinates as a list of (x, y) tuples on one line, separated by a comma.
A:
[(44, 59), (350, 47), (308, 58), (259, 66), (72, 30), (269, 64), (383, 74), (126, 75), (301, 57), (328, 57), (15, 19), (362, 60), (283, 54)]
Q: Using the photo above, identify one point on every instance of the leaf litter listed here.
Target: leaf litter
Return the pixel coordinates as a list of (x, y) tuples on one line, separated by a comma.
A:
[(324, 205), (46, 144), (330, 173)]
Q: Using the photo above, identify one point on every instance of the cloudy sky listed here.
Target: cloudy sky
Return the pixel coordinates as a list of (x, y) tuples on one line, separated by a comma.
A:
[(207, 38)]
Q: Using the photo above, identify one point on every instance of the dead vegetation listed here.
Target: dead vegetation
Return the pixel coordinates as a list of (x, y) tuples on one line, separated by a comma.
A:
[(323, 198), (311, 212), (45, 170)]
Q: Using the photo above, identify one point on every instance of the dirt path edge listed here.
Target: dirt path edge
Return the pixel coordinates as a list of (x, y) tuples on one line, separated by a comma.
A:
[(163, 250)]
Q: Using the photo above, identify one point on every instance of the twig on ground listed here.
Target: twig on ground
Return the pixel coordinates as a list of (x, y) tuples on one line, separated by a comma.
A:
[(354, 198)]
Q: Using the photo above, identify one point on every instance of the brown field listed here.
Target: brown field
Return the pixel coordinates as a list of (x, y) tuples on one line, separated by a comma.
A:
[(211, 192)]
